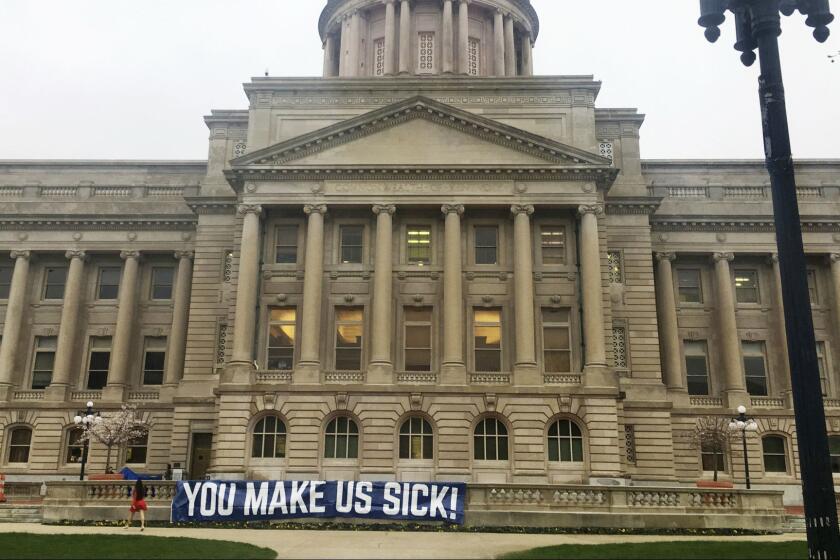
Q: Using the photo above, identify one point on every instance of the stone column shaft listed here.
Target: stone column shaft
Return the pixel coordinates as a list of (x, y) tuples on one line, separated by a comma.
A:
[(727, 325), (70, 317), (14, 320), (405, 37), (835, 283), (353, 60), (312, 286), (390, 36), (590, 265), (118, 374), (448, 37), (523, 275), (669, 334), (245, 319), (510, 48), (342, 47), (329, 61), (779, 312), (382, 367), (463, 37), (527, 55), (177, 344), (453, 370), (498, 44)]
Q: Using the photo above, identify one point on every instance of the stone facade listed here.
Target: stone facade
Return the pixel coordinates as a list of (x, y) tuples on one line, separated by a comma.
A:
[(449, 274)]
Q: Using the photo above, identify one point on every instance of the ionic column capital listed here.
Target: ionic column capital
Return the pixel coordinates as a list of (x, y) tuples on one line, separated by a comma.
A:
[(24, 254), (728, 257), (596, 209), (773, 258), (125, 255), (384, 209), (526, 209), (245, 209), (834, 257), (452, 209), (670, 257), (315, 209), (179, 255), (75, 254)]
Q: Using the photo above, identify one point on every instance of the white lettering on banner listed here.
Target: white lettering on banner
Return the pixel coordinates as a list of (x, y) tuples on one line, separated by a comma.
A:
[(208, 494), (392, 505), (296, 497), (415, 494), (278, 500), (363, 494), (226, 509), (256, 504), (406, 502), (192, 493), (341, 497), (436, 505), (314, 496)]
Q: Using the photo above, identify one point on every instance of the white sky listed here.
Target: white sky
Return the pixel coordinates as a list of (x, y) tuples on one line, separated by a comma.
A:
[(132, 79)]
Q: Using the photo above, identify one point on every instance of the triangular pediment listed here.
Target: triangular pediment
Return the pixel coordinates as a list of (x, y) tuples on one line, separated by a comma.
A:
[(419, 132)]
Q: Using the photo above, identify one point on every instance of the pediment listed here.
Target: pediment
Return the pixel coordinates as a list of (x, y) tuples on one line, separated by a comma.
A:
[(419, 132)]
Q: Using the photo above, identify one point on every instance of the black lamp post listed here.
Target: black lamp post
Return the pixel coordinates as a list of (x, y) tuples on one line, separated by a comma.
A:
[(743, 424), (85, 420), (758, 26)]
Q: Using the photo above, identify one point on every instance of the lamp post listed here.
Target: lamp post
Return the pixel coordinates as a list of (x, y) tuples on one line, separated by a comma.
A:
[(85, 420), (758, 26), (744, 424)]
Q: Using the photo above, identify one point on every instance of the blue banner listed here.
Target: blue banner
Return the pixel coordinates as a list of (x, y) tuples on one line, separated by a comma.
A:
[(217, 500)]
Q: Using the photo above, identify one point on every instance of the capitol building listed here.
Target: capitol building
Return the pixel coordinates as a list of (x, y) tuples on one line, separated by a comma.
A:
[(427, 265)]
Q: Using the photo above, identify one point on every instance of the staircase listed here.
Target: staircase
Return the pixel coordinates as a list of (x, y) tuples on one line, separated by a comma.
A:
[(20, 513), (794, 524)]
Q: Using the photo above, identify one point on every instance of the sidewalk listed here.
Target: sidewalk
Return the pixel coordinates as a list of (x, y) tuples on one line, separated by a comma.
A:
[(378, 544)]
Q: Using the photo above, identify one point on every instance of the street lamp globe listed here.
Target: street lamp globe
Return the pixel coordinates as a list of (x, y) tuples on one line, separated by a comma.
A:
[(77, 419), (97, 419), (742, 409), (90, 404)]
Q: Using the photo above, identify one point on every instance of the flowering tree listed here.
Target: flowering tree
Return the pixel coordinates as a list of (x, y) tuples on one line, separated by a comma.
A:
[(117, 429), (711, 434)]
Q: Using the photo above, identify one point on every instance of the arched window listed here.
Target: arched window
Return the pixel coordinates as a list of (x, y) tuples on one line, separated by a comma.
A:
[(73, 454), (774, 449), (341, 439), (565, 442), (137, 450), (19, 442), (490, 440), (269, 439), (416, 439)]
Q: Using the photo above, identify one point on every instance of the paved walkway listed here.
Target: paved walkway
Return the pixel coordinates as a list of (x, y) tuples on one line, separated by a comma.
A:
[(378, 544)]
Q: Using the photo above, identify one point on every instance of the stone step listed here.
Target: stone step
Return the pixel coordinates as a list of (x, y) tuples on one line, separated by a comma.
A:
[(794, 524), (20, 514)]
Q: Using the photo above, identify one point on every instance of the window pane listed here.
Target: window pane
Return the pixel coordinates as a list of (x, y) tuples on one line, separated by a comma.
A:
[(5, 281), (488, 337), (689, 286), (698, 386), (418, 314), (418, 336), (109, 283), (286, 245), (56, 278), (553, 240), (404, 447), (558, 361), (746, 286), (486, 245), (556, 338), (329, 447), (773, 445), (419, 240), (348, 360), (418, 360), (488, 360), (696, 365), (503, 450), (553, 449), (351, 244)]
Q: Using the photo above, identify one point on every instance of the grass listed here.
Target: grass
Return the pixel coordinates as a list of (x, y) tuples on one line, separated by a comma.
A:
[(119, 547), (684, 550)]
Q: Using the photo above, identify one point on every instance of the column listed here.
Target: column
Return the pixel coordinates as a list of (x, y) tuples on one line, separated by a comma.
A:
[(308, 369), (448, 37), (68, 330), (14, 319), (245, 319), (118, 374), (342, 47), (463, 37), (381, 369), (595, 358), (453, 370), (390, 36), (527, 55), (177, 343), (835, 282), (405, 37), (329, 46), (779, 316), (510, 48), (498, 44), (734, 386), (666, 311), (353, 67), (525, 367)]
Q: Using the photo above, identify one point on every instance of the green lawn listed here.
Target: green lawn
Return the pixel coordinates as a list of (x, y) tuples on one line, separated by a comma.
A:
[(684, 550), (106, 547)]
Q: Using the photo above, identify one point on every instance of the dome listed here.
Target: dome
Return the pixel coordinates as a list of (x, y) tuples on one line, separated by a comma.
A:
[(379, 38)]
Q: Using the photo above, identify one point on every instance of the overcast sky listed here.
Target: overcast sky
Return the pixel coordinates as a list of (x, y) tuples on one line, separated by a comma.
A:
[(132, 79)]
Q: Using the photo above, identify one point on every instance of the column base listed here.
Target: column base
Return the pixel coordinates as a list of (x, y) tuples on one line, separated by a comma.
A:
[(114, 393), (380, 373), (167, 393), (788, 398), (57, 393), (307, 373), (527, 374), (238, 373), (734, 399), (6, 393), (453, 373), (679, 397), (599, 376)]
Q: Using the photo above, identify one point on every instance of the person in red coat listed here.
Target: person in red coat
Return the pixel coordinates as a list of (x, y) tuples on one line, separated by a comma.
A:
[(138, 503)]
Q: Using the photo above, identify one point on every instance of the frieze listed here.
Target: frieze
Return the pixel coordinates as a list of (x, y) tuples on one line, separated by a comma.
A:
[(561, 100), (115, 224), (407, 187), (748, 226)]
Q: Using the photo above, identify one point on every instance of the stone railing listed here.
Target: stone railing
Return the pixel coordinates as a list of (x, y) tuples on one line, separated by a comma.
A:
[(84, 396), (713, 402), (688, 192), (273, 376), (418, 377), (121, 192), (59, 192), (744, 193), (143, 396), (562, 379), (490, 378), (11, 192), (29, 395), (831, 403), (767, 402), (344, 377), (741, 192)]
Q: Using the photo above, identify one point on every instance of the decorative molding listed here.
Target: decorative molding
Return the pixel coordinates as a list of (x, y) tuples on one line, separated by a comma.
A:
[(526, 209), (595, 209), (835, 257), (184, 255), (632, 205), (452, 209), (728, 257), (75, 254), (114, 223), (125, 255), (24, 254), (315, 209), (245, 209), (741, 225), (384, 208)]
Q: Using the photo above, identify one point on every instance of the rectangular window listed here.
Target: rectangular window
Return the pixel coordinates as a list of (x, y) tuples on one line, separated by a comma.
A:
[(746, 286), (54, 282), (418, 338), (688, 285), (109, 283), (486, 245), (349, 335), (426, 52), (813, 293), (419, 240), (487, 332), (99, 361), (755, 367), (474, 57), (822, 362), (774, 449), (351, 244), (616, 267), (137, 450), (710, 455), (557, 343), (286, 245), (697, 367), (154, 358), (379, 57), (553, 244), (44, 362), (162, 280), (5, 281), (282, 330), (834, 452)]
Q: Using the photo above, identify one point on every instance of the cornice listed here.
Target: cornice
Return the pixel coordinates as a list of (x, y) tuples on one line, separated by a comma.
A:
[(212, 204), (117, 223), (746, 225), (644, 205)]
